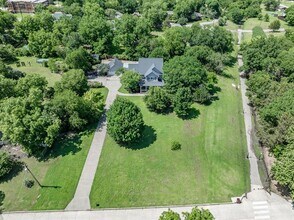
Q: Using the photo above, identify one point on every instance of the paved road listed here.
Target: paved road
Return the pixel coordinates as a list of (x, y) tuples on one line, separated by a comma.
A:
[(259, 205), (81, 198)]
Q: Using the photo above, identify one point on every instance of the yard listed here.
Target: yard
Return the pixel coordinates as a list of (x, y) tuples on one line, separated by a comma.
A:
[(37, 68), (211, 167), (59, 175)]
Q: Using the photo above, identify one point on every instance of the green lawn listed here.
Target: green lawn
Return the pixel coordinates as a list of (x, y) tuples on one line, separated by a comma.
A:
[(211, 167), (37, 68), (59, 175)]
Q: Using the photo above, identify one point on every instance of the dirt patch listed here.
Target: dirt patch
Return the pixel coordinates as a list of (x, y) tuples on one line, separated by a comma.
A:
[(14, 150)]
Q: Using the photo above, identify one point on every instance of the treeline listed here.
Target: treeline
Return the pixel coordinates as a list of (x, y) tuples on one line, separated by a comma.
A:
[(95, 27), (270, 65), (33, 115)]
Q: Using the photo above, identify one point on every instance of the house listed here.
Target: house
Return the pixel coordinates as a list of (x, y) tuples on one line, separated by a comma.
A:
[(114, 65), (24, 6), (151, 70)]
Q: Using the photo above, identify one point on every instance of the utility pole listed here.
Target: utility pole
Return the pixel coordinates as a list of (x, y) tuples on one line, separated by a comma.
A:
[(27, 169)]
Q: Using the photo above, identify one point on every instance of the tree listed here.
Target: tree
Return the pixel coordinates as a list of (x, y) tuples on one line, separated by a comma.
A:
[(6, 21), (283, 169), (30, 81), (6, 164), (155, 12), (96, 101), (169, 215), (183, 72), (24, 121), (236, 15), (73, 111), (184, 9), (42, 43), (182, 102), (73, 80), (7, 53), (79, 59), (222, 21), (198, 214), (130, 81), (94, 28), (157, 100), (6, 87), (290, 15), (271, 5), (125, 121), (275, 25), (128, 6), (266, 18)]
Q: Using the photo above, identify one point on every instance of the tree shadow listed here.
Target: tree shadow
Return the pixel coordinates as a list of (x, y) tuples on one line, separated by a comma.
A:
[(192, 113), (283, 190), (211, 100), (17, 168), (231, 61), (227, 75), (148, 137)]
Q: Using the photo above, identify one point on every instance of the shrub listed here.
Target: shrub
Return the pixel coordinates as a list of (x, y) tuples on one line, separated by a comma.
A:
[(6, 164), (275, 25), (182, 21), (222, 21), (258, 32), (176, 146), (169, 215), (29, 183), (125, 121)]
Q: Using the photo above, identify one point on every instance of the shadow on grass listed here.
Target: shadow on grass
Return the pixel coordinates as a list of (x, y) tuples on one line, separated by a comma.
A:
[(227, 75), (66, 144), (17, 168), (148, 137), (192, 114)]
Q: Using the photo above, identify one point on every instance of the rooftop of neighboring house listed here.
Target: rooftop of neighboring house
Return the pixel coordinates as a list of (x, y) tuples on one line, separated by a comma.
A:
[(29, 1)]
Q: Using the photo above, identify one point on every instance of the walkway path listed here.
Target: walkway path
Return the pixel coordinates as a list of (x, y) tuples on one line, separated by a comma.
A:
[(254, 173), (81, 198)]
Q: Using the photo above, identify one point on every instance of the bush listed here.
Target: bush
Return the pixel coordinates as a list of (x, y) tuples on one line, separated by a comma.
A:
[(6, 164), (130, 81), (222, 21), (157, 100), (169, 215), (125, 121), (103, 69), (29, 183), (275, 25), (266, 18), (176, 146)]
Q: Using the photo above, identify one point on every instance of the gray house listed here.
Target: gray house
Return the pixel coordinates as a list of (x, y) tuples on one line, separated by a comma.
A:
[(114, 65), (151, 70)]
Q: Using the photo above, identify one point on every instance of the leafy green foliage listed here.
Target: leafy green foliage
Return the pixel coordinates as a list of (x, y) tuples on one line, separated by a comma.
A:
[(169, 215), (7, 53), (176, 146), (6, 164), (130, 81), (182, 102), (157, 100), (79, 59), (125, 121), (283, 169), (74, 80), (275, 25), (258, 32), (198, 214), (290, 15)]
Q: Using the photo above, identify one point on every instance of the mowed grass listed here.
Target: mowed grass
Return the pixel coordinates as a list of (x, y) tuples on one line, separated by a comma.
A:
[(37, 68), (59, 174), (210, 168)]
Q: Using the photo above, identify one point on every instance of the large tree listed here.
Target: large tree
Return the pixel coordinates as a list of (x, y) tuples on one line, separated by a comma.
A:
[(73, 80), (157, 100), (290, 15), (182, 102), (125, 121), (79, 59), (130, 81)]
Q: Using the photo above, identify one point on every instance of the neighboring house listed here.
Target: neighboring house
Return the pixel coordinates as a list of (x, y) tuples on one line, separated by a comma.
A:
[(151, 70), (24, 6), (114, 65)]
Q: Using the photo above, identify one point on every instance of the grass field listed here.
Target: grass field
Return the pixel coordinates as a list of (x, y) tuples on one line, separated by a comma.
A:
[(210, 167), (59, 174), (37, 68)]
